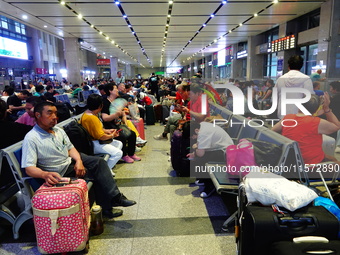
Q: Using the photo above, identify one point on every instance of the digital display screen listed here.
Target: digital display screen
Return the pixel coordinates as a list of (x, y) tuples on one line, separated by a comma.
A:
[(221, 57), (174, 70), (214, 59), (13, 49), (285, 43)]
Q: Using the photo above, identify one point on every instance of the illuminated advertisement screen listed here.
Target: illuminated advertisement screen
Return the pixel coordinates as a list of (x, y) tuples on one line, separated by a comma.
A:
[(221, 57), (174, 70), (214, 59), (13, 49)]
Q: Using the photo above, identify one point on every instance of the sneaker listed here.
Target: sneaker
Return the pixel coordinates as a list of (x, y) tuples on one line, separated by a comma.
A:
[(123, 201), (140, 140), (138, 149), (160, 137), (127, 159), (207, 193), (135, 158), (199, 183), (112, 213), (113, 173), (337, 149)]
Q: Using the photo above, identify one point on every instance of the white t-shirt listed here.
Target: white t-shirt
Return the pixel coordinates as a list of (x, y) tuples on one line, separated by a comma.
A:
[(212, 137), (292, 79)]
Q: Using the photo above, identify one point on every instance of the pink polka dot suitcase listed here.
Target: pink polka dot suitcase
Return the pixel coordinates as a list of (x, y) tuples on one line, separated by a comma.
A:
[(62, 217)]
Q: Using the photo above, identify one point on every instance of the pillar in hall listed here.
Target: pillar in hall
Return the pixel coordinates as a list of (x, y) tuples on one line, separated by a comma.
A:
[(73, 59), (114, 67)]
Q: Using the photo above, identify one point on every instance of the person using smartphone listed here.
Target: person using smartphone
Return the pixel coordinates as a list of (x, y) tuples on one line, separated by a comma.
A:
[(103, 139)]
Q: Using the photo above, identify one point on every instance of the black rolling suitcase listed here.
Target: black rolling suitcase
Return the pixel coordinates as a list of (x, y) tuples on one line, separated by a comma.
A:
[(260, 227), (178, 151), (291, 248), (158, 112), (150, 115)]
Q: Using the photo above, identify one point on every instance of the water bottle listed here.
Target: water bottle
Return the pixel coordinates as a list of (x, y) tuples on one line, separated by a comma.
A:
[(97, 225)]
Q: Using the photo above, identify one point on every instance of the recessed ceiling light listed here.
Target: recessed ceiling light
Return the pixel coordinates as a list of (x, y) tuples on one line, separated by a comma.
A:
[(61, 33), (255, 15), (45, 26), (80, 16), (62, 3), (24, 16)]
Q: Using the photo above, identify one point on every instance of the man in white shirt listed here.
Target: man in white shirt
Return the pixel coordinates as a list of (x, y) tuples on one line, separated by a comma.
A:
[(293, 79), (211, 144), (120, 78)]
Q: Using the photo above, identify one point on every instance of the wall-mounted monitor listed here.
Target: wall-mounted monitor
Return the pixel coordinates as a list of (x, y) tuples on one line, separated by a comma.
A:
[(221, 57), (13, 49), (285, 43), (174, 70)]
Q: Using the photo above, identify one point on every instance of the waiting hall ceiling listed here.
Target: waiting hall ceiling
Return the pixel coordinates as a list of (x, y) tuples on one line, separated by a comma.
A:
[(156, 33)]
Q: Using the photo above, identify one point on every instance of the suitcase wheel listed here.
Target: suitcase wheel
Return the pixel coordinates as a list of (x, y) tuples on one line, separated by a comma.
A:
[(87, 248)]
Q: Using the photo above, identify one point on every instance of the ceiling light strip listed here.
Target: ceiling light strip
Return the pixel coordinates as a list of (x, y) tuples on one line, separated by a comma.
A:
[(125, 16), (230, 31), (166, 30), (211, 16), (80, 16)]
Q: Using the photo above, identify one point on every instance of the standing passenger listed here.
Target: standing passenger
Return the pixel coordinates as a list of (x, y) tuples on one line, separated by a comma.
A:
[(293, 79)]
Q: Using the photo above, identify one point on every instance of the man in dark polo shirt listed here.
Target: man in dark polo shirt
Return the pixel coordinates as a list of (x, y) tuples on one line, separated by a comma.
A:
[(11, 132), (15, 104)]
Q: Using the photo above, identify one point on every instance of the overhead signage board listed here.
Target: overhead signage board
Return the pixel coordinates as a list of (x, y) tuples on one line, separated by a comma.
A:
[(241, 54), (284, 43)]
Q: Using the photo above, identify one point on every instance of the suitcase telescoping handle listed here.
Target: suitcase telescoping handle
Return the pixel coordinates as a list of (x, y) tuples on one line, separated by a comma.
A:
[(65, 181), (296, 224)]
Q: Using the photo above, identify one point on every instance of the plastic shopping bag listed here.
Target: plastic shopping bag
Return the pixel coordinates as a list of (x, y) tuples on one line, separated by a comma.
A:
[(240, 157)]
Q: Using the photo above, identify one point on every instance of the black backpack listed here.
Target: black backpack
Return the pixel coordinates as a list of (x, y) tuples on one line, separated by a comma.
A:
[(79, 137), (63, 112)]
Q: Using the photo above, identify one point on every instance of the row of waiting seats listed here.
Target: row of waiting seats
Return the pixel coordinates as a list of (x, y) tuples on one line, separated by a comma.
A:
[(238, 127), (15, 197), (79, 101)]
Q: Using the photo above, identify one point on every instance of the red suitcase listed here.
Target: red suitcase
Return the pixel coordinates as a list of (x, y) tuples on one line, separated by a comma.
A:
[(62, 217), (139, 124)]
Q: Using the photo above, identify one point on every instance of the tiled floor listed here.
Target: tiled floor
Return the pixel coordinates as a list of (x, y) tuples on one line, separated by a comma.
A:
[(169, 218)]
